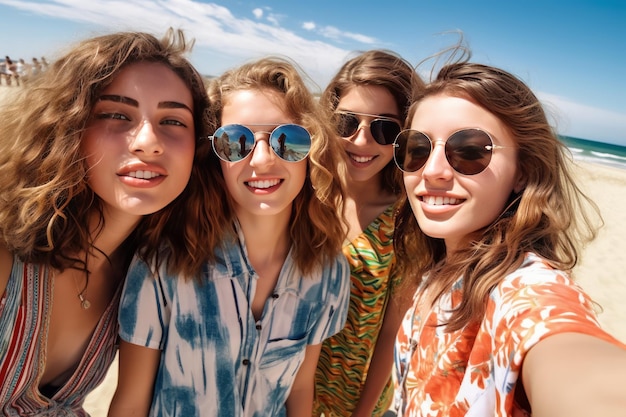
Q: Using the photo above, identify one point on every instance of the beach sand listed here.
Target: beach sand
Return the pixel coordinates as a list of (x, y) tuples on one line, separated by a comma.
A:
[(603, 262), (599, 271)]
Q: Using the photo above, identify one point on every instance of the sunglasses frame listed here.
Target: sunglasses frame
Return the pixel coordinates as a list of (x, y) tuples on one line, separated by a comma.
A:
[(491, 148), (376, 118), (269, 139)]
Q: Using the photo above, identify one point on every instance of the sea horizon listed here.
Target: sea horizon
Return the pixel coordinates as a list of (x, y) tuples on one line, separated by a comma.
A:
[(596, 152)]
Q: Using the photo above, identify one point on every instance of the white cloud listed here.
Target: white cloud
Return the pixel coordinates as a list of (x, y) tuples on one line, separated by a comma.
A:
[(334, 33), (274, 19), (227, 39), (585, 122), (308, 26)]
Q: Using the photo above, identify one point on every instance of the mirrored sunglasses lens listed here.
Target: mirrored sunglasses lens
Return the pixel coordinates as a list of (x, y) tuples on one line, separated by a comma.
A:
[(291, 142), (384, 131), (232, 143), (346, 124), (468, 151), (412, 150)]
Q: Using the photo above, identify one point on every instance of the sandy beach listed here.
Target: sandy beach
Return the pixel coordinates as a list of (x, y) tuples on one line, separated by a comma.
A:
[(599, 271)]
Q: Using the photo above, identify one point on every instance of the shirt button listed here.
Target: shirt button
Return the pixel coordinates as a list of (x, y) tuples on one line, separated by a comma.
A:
[(245, 362), (258, 327), (275, 296)]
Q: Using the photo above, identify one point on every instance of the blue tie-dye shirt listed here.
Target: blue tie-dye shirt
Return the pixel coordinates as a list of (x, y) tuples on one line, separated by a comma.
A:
[(217, 360)]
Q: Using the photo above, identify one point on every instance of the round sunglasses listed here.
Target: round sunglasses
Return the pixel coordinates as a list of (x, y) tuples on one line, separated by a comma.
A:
[(232, 143), (468, 151), (384, 130)]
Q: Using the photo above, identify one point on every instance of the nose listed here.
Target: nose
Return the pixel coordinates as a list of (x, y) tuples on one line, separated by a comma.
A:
[(363, 133), (262, 153), (437, 165), (146, 140)]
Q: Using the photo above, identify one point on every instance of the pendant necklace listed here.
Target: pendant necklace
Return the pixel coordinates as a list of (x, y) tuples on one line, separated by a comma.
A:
[(84, 303)]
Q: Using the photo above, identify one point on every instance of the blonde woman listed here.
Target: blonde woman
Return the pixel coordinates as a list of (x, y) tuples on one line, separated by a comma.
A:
[(238, 333)]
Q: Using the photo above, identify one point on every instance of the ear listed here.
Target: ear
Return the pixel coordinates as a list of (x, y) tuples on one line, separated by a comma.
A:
[(520, 183)]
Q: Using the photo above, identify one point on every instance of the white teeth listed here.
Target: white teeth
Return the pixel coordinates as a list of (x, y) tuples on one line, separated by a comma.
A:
[(361, 159), (146, 175), (263, 183), (439, 200)]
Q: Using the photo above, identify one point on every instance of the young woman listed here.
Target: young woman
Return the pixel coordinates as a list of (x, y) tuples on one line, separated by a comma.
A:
[(370, 97), (490, 231), (239, 333), (88, 150)]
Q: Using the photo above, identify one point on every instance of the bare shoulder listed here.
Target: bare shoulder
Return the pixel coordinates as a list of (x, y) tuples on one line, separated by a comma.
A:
[(6, 264)]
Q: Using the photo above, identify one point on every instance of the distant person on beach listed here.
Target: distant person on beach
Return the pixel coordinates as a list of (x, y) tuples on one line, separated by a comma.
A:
[(10, 73), (238, 333), (88, 152), (36, 67), (370, 97), (491, 229)]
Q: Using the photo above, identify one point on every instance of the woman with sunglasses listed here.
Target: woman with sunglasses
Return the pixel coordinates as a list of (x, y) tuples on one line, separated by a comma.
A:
[(370, 97), (238, 333), (95, 158), (490, 231)]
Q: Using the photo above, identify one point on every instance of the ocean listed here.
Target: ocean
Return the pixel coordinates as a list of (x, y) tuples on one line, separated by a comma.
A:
[(596, 152)]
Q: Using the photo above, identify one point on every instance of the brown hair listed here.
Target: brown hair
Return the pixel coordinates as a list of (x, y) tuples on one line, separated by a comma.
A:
[(385, 69), (45, 200)]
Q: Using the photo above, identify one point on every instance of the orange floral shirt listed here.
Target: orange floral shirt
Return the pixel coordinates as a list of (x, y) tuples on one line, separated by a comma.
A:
[(474, 371)]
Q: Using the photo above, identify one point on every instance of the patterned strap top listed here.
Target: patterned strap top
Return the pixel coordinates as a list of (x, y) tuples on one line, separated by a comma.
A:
[(24, 322)]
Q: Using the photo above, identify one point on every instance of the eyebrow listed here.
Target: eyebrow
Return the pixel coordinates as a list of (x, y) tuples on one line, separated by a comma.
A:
[(135, 103)]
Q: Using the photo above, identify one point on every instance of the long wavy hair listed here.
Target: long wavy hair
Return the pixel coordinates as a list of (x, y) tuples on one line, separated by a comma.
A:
[(45, 201), (550, 216), (317, 223), (378, 68)]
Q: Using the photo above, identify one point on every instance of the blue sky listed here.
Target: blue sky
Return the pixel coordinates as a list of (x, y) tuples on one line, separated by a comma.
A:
[(572, 54)]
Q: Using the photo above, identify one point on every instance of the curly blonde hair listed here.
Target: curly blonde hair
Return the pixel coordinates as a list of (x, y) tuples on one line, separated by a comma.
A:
[(550, 216), (382, 68), (317, 222), (45, 201)]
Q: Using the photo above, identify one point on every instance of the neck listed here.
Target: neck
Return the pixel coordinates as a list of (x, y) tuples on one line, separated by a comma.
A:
[(108, 239), (266, 238)]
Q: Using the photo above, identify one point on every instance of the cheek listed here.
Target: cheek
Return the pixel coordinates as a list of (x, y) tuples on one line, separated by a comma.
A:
[(299, 173), (188, 152), (410, 182), (386, 152), (229, 172)]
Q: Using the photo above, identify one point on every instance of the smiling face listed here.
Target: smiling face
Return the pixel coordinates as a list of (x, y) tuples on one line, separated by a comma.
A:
[(366, 157), (261, 184), (450, 205), (140, 142)]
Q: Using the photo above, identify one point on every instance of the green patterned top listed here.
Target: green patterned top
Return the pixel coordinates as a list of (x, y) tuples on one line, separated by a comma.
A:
[(346, 356)]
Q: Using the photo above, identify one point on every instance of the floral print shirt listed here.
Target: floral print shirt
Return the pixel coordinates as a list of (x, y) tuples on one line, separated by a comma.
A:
[(473, 371)]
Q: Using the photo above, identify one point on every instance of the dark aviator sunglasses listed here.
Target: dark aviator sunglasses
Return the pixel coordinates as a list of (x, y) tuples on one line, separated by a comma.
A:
[(384, 130)]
